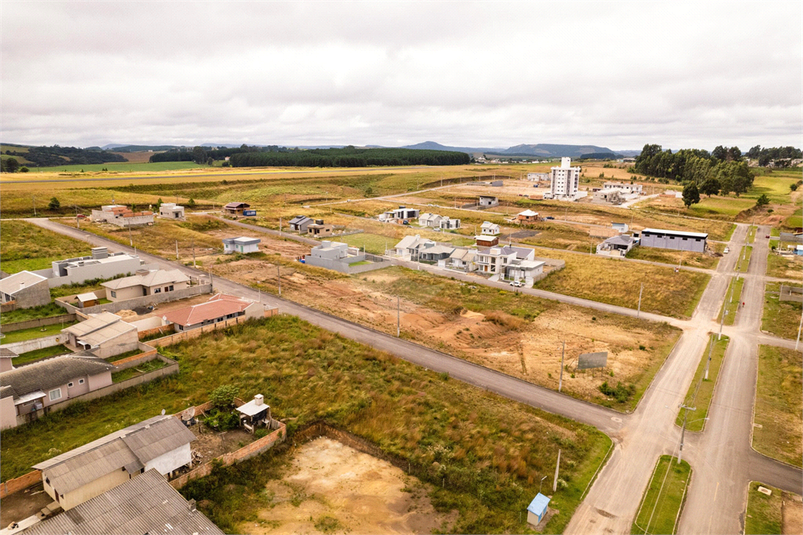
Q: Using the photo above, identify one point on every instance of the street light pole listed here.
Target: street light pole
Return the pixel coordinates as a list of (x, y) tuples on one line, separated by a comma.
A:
[(638, 314), (683, 430), (708, 363)]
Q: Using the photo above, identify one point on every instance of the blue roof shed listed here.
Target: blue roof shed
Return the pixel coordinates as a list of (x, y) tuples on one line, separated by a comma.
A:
[(538, 506)]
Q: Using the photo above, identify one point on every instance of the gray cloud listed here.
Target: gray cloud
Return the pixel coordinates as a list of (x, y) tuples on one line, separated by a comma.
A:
[(620, 74)]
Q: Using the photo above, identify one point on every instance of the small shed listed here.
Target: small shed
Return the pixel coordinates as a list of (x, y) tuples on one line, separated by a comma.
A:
[(254, 413), (88, 299), (527, 216), (537, 509)]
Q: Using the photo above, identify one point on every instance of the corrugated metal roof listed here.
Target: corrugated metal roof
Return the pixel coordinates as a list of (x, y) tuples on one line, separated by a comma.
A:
[(129, 448), (7, 353), (538, 505), (145, 504), (53, 372), (680, 233), (97, 321)]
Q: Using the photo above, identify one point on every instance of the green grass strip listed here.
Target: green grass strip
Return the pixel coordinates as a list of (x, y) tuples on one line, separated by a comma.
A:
[(39, 354), (661, 505), (702, 390), (744, 259), (141, 369), (751, 234), (732, 300), (34, 332), (764, 513)]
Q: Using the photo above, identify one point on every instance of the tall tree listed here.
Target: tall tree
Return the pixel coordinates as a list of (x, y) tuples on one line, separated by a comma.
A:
[(691, 195), (710, 186)]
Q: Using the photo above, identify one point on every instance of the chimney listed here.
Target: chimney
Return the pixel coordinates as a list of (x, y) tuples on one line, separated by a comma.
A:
[(22, 285), (191, 505), (258, 400)]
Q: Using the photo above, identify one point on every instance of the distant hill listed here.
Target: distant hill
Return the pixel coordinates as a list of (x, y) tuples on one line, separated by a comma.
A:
[(540, 150), (432, 145)]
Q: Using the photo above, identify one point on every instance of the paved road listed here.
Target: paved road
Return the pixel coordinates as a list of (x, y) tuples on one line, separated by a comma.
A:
[(721, 457)]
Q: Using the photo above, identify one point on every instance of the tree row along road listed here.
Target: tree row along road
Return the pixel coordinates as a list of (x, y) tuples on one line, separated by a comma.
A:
[(639, 437)]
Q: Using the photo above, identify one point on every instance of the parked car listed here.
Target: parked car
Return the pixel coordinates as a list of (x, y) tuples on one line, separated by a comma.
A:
[(549, 217), (767, 236), (727, 250), (517, 284)]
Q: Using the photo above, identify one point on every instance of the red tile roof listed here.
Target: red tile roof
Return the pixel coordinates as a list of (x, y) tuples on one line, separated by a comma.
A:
[(217, 307)]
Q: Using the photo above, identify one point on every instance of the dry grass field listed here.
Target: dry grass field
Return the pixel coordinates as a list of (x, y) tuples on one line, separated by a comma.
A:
[(24, 246), (778, 431)]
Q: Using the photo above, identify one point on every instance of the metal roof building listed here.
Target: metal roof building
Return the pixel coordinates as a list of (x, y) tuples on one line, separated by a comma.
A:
[(146, 504)]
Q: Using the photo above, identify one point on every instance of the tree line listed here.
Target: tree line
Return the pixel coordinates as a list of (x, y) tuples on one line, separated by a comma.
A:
[(349, 157), (721, 171), (202, 155), (56, 155), (781, 156)]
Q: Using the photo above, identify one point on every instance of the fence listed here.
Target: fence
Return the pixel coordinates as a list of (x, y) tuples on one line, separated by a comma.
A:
[(36, 343), (137, 302), (227, 459), (40, 322), (170, 369), (148, 354), (195, 333), (18, 483)]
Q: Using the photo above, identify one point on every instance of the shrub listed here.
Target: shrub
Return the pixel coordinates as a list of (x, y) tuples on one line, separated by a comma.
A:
[(223, 396), (621, 392)]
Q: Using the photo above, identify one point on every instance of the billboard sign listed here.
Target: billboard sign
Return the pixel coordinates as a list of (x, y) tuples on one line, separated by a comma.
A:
[(592, 360), (249, 212)]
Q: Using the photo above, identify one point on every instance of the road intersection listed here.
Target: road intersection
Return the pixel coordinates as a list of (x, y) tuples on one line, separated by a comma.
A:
[(721, 457)]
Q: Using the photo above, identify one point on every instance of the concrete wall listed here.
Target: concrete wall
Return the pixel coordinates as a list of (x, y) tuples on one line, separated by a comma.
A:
[(8, 413), (673, 242), (123, 343), (18, 483), (102, 270), (172, 460), (39, 322), (342, 266), (145, 300), (36, 343), (35, 295)]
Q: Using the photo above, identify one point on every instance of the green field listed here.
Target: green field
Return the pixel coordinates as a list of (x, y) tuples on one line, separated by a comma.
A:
[(601, 279), (781, 318), (113, 167), (701, 389), (24, 314), (24, 246), (38, 354), (491, 452), (684, 258), (777, 432), (733, 298), (663, 501), (36, 332), (743, 264), (764, 513)]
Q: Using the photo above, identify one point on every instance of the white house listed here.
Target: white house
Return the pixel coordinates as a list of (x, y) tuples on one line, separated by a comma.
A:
[(101, 265), (487, 201), (104, 334), (489, 229), (430, 220), (25, 289), (146, 282), (241, 245), (625, 188), (516, 263), (400, 214), (121, 216), (565, 180), (462, 259), (618, 245), (410, 247), (171, 210)]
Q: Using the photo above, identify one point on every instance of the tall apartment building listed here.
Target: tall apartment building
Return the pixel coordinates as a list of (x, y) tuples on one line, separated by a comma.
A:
[(565, 180)]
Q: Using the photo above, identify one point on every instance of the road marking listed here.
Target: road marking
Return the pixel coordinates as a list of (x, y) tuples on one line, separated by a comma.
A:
[(716, 491), (616, 419)]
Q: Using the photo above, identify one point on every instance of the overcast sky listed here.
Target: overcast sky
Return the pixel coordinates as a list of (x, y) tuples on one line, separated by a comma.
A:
[(619, 74)]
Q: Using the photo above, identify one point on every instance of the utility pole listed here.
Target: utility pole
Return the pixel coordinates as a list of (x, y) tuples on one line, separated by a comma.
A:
[(193, 255), (800, 326), (280, 225), (708, 364), (725, 312), (279, 278), (557, 471), (130, 239), (683, 429), (211, 283), (638, 314), (562, 354), (176, 250), (77, 221), (398, 316), (33, 201)]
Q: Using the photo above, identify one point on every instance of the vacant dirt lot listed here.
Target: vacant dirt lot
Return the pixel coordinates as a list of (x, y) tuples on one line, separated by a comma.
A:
[(332, 488), (792, 513)]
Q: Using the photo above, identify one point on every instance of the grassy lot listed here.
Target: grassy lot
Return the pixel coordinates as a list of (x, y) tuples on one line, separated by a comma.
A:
[(515, 312), (775, 232), (25, 246), (764, 513), (618, 283), (489, 451), (685, 258), (751, 234), (743, 264), (701, 390), (77, 288), (781, 318), (136, 371), (19, 199), (36, 332), (795, 220), (114, 167), (24, 314), (38, 354), (662, 502), (778, 404), (788, 267), (733, 299)]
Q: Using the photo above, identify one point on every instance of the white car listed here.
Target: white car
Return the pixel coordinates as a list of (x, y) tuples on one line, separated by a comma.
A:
[(727, 250), (517, 284)]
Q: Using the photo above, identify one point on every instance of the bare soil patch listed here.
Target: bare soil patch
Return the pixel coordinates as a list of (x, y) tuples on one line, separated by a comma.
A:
[(22, 504), (332, 488), (792, 513), (209, 444)]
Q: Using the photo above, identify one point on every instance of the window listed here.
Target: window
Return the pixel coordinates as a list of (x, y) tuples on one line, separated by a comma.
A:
[(170, 288), (157, 291), (80, 381), (114, 294), (55, 394), (70, 384)]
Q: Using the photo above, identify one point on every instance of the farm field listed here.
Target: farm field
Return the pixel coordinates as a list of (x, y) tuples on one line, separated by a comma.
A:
[(701, 389), (601, 279), (777, 431), (663, 500), (489, 446), (781, 318), (789, 267), (684, 258), (24, 246), (781, 513)]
